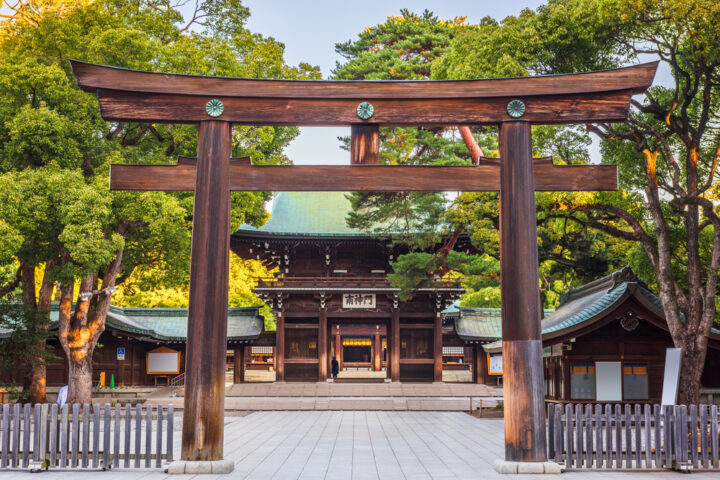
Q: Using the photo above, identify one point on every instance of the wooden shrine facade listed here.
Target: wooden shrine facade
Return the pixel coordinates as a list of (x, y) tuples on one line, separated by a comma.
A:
[(216, 104), (332, 298)]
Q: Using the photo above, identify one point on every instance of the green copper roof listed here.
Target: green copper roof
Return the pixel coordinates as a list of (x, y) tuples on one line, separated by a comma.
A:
[(478, 324), (308, 213), (244, 323)]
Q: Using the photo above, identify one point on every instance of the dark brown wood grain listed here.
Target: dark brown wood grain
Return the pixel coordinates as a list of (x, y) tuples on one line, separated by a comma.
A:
[(523, 403), (550, 109), (394, 344), (480, 178), (520, 298), (364, 144), (203, 414), (437, 349), (90, 77)]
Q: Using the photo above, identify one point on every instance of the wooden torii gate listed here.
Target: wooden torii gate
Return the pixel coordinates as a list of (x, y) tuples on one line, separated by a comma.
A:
[(217, 103)]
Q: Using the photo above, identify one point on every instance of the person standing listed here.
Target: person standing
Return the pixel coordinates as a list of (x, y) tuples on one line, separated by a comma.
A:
[(334, 368)]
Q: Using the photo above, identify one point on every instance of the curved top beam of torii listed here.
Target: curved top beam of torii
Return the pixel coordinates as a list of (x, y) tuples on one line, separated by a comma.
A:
[(131, 95)]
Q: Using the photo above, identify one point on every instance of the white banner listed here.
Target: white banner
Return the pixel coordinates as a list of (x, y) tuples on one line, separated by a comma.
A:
[(359, 300)]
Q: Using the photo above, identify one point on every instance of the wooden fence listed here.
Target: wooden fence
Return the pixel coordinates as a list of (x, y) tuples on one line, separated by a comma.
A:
[(585, 436), (85, 436)]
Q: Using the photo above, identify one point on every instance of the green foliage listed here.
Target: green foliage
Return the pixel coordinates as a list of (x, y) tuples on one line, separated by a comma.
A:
[(55, 150)]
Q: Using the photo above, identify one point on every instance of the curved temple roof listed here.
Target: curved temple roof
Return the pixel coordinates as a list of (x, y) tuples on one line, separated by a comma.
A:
[(306, 213), (578, 308)]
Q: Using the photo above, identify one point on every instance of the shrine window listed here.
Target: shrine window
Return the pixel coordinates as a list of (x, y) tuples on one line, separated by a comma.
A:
[(582, 381), (635, 381)]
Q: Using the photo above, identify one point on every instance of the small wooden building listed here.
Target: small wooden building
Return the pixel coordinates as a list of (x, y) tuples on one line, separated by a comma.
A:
[(125, 349), (606, 342)]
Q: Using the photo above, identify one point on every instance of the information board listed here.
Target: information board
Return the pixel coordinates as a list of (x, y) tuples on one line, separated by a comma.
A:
[(163, 360), (495, 364)]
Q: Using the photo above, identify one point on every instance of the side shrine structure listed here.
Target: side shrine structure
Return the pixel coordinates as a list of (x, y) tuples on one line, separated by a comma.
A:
[(514, 105), (332, 298)]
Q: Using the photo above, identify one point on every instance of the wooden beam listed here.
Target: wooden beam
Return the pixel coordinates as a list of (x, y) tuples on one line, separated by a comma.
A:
[(90, 77), (203, 414), (118, 105), (246, 177), (520, 297), (365, 144)]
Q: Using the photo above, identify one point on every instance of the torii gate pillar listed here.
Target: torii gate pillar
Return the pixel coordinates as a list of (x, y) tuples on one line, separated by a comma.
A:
[(204, 407), (519, 289)]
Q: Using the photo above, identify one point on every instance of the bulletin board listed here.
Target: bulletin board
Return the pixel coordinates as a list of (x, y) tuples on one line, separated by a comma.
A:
[(495, 364), (162, 361)]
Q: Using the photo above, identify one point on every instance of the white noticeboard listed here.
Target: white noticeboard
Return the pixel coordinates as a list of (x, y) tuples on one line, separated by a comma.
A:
[(163, 362), (608, 381), (671, 378), (495, 364)]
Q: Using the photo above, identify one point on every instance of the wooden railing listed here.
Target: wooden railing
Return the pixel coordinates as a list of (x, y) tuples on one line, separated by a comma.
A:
[(86, 436), (379, 282), (585, 436)]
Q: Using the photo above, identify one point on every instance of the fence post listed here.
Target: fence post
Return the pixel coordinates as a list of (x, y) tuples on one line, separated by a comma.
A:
[(551, 428), (53, 434), (170, 431)]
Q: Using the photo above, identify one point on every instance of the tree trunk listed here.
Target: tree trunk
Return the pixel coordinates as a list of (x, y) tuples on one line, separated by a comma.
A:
[(692, 362), (37, 321), (80, 379)]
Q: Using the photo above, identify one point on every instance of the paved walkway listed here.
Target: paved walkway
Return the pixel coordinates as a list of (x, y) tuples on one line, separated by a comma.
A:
[(390, 389), (361, 445)]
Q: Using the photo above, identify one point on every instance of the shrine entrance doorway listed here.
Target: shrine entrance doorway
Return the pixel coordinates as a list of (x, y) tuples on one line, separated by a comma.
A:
[(361, 349)]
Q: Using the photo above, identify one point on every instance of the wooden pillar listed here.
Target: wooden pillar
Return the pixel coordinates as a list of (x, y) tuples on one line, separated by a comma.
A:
[(395, 346), (519, 285), (338, 350), (322, 346), (280, 348), (202, 433), (377, 352), (364, 144), (480, 365), (239, 366), (437, 349)]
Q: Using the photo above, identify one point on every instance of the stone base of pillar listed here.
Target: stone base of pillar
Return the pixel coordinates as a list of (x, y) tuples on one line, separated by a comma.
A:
[(513, 468), (183, 467)]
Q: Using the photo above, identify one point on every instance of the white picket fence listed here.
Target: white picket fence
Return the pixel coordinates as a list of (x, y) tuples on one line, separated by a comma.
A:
[(584, 436), (85, 436)]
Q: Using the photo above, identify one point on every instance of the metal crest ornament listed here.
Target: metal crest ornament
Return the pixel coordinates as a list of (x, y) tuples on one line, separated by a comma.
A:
[(365, 110), (516, 108), (214, 107)]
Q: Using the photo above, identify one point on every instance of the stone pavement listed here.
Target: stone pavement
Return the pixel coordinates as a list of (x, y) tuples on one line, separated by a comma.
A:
[(361, 445), (348, 396)]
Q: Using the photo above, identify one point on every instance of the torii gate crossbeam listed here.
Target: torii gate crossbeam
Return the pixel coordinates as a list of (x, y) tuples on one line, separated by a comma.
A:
[(216, 103)]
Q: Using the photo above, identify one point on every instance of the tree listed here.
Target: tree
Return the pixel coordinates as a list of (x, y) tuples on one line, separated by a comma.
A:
[(667, 151), (49, 128), (415, 46)]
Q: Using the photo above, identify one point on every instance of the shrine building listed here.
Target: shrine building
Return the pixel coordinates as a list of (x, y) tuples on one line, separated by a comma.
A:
[(332, 298)]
